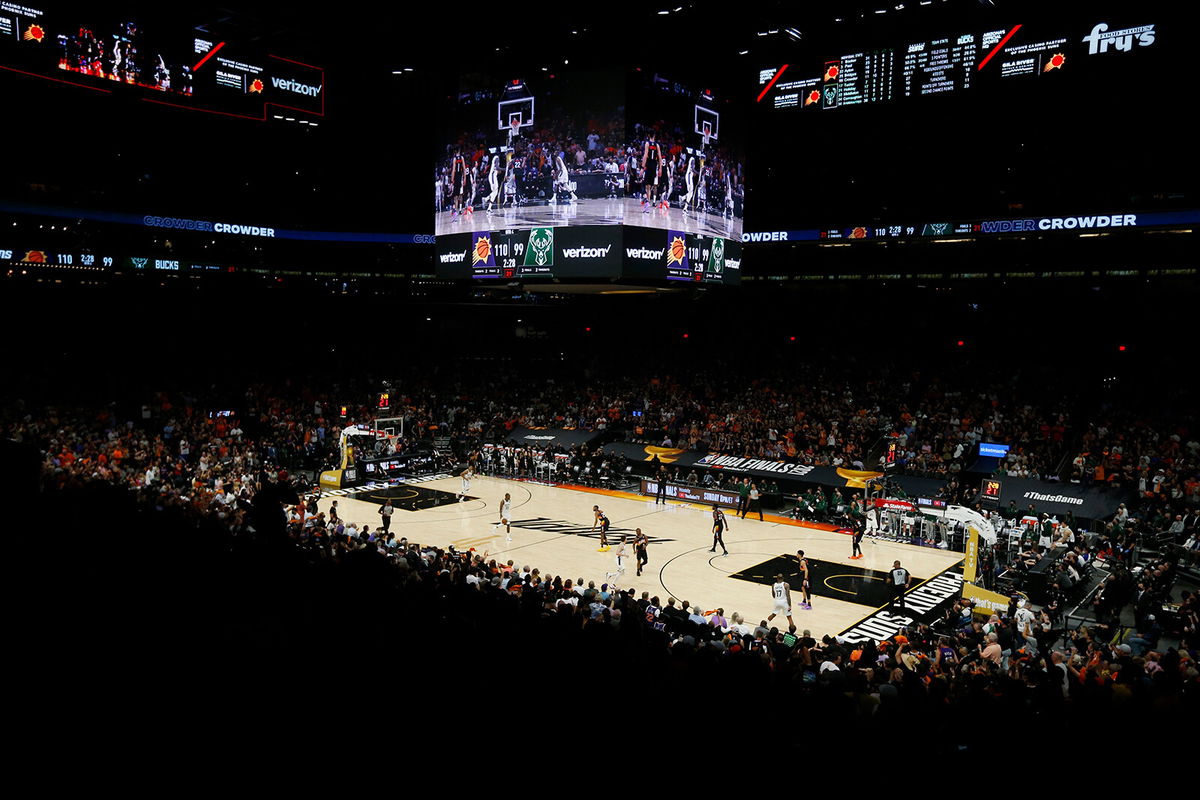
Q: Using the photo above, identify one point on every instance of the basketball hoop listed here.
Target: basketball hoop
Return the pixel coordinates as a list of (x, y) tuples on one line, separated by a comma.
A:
[(514, 127), (707, 135)]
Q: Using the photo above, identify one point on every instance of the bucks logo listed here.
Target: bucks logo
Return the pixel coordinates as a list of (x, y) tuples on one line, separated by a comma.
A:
[(540, 250), (936, 229), (716, 255), (140, 263)]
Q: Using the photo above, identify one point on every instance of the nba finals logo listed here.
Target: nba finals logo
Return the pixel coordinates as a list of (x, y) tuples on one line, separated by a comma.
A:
[(540, 251), (481, 251)]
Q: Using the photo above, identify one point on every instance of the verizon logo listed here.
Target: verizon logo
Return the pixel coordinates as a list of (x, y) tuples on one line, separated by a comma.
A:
[(294, 86), (587, 252), (453, 258)]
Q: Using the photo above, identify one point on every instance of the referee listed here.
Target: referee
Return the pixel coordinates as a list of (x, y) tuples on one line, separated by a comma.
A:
[(901, 579)]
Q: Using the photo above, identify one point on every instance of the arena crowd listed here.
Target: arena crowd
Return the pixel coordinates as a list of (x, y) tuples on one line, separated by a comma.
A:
[(238, 485)]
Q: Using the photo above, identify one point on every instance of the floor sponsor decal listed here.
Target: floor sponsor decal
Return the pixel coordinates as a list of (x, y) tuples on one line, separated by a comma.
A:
[(926, 603)]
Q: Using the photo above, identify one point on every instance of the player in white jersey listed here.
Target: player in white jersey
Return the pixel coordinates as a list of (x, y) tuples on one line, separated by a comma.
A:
[(689, 180), (728, 196), (494, 182), (562, 180), (670, 170), (505, 517), (510, 184), (466, 476), (783, 601), (619, 572)]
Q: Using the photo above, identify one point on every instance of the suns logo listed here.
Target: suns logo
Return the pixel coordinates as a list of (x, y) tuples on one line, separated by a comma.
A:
[(677, 252), (256, 86), (483, 250)]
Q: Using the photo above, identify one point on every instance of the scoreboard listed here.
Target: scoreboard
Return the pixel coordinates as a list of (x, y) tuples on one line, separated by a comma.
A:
[(543, 252), (954, 62), (16, 257), (151, 55), (590, 251)]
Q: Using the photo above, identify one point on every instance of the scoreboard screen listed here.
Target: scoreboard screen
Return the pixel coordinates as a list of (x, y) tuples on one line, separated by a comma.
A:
[(154, 56), (1012, 56), (580, 251), (926, 115), (642, 254), (599, 174), (679, 256)]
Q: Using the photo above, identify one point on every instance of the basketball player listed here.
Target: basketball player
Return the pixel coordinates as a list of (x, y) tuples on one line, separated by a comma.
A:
[(494, 181), (856, 537), (471, 187), (458, 179), (609, 577), (689, 180), (652, 169), (701, 187), (640, 543), (783, 601), (666, 197), (510, 185), (728, 196), (719, 525), (562, 180), (505, 517), (466, 476), (807, 604), (602, 521)]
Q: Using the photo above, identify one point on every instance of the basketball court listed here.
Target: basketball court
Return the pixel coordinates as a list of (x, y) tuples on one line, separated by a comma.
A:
[(552, 531), (585, 211)]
